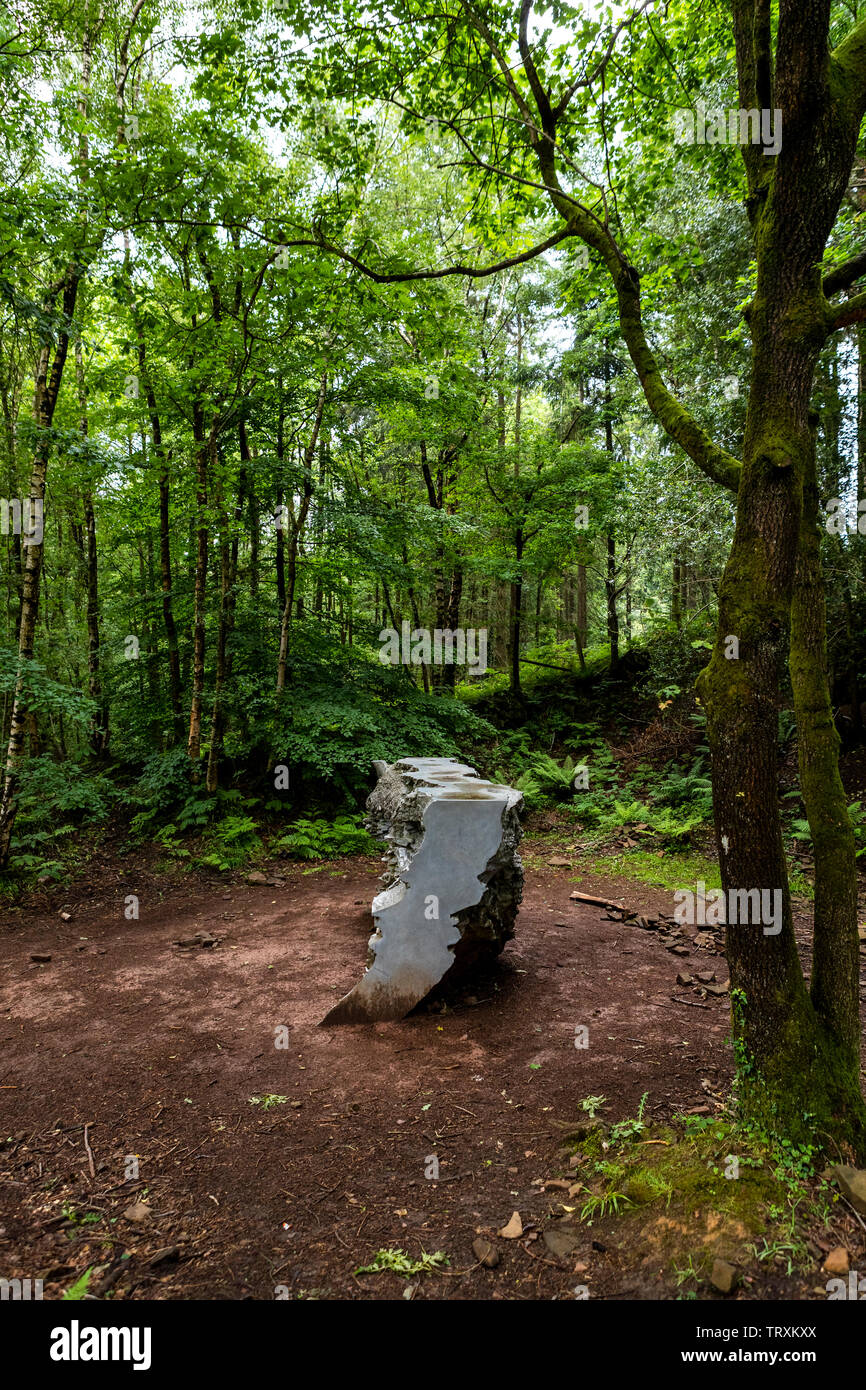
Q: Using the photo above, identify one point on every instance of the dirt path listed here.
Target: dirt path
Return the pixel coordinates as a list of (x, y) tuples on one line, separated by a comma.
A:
[(159, 1049)]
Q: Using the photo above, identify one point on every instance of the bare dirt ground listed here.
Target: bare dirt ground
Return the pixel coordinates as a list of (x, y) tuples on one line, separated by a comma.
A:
[(158, 1049)]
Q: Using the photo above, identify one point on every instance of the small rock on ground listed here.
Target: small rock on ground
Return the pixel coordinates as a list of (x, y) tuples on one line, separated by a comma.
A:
[(724, 1276), (837, 1261), (485, 1253)]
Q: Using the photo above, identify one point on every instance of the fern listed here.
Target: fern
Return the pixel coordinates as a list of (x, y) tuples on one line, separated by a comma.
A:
[(79, 1289), (322, 839)]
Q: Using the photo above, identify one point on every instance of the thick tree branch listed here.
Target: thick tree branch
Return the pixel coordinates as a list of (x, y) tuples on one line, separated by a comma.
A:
[(849, 60), (545, 111), (852, 311), (752, 38), (842, 276), (678, 423)]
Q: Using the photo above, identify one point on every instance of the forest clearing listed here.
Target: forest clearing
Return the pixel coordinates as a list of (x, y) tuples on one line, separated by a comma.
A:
[(433, 661)]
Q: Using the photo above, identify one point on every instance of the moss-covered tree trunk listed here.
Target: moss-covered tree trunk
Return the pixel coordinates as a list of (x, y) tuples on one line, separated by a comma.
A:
[(796, 1052), (799, 1055), (835, 983)]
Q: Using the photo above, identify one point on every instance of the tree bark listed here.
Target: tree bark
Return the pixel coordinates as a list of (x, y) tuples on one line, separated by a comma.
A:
[(514, 616), (676, 594), (99, 734), (204, 448), (581, 629), (835, 983), (225, 627), (49, 376), (165, 575), (298, 521), (610, 596)]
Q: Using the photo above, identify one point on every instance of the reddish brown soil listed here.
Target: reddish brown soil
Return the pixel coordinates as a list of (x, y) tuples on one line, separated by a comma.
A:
[(158, 1050)]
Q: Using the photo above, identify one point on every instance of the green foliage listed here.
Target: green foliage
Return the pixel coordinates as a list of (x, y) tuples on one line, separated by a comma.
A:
[(167, 837), (78, 1217), (545, 782), (799, 828), (680, 803), (592, 1105), (164, 783), (323, 839), (52, 790), (79, 1289), (626, 1130), (857, 816), (691, 789), (51, 698), (55, 799), (677, 655), (602, 1204), (346, 712), (398, 1262), (230, 843), (269, 1101)]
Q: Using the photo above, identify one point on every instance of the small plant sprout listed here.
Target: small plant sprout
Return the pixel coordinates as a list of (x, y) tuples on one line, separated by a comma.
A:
[(268, 1102), (398, 1262)]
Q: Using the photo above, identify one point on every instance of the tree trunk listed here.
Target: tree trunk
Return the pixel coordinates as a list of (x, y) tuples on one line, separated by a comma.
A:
[(581, 613), (203, 451), (449, 620), (610, 580), (254, 524), (835, 984), (99, 732), (790, 1066), (297, 526), (47, 390), (628, 601), (416, 618), (281, 538), (610, 595), (164, 486), (225, 627), (514, 617)]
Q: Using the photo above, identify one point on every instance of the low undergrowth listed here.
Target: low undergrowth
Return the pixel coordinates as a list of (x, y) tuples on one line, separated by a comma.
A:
[(700, 1189)]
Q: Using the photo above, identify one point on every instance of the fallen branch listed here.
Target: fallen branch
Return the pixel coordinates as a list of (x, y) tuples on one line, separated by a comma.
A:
[(597, 902), (89, 1152)]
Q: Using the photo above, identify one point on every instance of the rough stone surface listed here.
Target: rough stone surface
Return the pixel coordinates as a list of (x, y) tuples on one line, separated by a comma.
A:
[(513, 1229), (453, 879), (852, 1184), (485, 1253), (724, 1276), (837, 1262), (561, 1242)]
